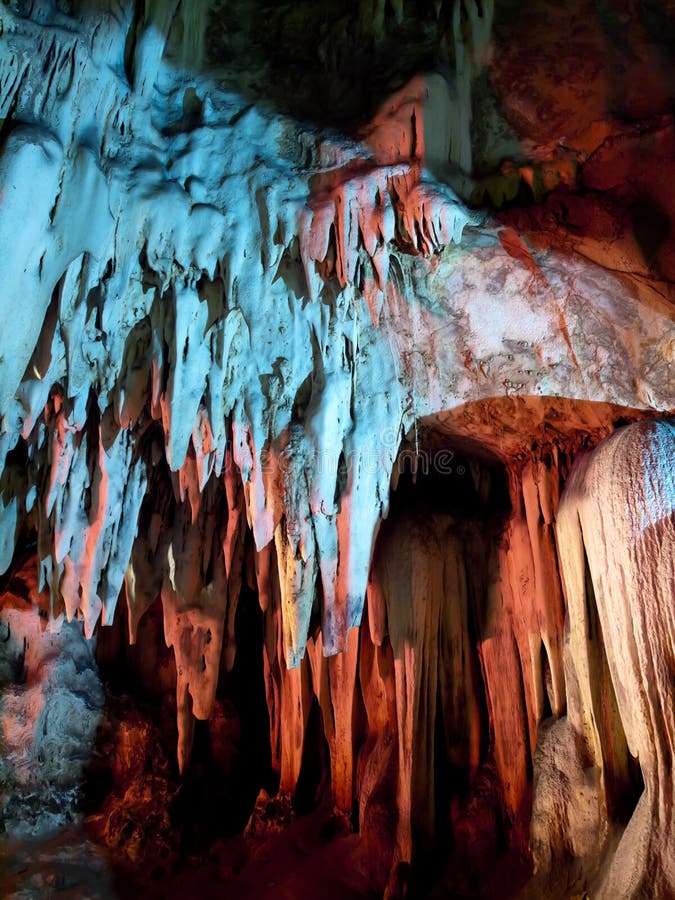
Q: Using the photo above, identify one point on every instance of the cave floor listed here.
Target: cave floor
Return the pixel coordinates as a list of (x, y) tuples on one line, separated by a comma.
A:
[(304, 860)]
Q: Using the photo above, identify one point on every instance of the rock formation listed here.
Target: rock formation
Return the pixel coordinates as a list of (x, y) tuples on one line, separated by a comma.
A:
[(310, 348)]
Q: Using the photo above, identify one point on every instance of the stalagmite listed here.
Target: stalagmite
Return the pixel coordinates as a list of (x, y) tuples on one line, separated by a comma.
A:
[(616, 522)]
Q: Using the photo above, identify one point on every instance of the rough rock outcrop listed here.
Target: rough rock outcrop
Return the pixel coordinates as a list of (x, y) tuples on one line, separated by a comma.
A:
[(51, 701)]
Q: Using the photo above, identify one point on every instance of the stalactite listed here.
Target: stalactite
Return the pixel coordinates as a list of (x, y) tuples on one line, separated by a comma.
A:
[(471, 30)]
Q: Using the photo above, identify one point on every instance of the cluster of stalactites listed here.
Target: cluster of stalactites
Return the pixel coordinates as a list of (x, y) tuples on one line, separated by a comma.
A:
[(222, 322), (594, 548), (482, 655)]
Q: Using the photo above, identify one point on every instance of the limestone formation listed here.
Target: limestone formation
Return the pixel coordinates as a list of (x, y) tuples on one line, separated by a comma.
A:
[(235, 315)]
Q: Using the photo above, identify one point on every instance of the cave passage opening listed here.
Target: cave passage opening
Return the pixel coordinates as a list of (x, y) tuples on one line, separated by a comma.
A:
[(437, 564)]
